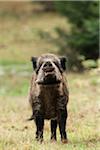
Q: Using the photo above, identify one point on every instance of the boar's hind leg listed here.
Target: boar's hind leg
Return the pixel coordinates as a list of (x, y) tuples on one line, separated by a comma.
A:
[(62, 124), (39, 121), (53, 129)]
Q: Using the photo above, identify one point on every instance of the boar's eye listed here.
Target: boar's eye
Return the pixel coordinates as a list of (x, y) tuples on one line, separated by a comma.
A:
[(56, 63), (34, 62), (38, 67)]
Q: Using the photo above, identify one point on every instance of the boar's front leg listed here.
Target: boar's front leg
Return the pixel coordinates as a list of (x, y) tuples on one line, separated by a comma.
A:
[(62, 116), (53, 129), (39, 121), (39, 118)]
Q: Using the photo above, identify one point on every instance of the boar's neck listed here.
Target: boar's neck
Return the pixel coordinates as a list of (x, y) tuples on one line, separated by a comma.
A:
[(51, 90)]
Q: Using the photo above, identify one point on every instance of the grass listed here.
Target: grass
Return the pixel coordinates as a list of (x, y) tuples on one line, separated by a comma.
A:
[(83, 121), (19, 40)]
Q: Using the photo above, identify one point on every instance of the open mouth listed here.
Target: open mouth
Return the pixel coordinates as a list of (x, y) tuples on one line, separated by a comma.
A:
[(49, 72), (48, 69), (49, 78)]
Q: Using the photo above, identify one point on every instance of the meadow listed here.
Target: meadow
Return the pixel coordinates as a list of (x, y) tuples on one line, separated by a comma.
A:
[(19, 40)]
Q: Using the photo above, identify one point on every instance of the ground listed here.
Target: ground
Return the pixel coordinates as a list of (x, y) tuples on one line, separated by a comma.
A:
[(19, 40), (83, 120)]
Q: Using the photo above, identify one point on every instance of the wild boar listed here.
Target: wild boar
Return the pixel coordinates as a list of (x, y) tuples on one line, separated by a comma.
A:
[(49, 95)]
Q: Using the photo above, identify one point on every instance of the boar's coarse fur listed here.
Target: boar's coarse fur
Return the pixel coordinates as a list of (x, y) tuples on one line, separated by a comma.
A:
[(49, 94)]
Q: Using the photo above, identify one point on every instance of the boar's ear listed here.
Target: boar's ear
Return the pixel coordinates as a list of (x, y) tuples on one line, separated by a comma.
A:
[(63, 60), (34, 62)]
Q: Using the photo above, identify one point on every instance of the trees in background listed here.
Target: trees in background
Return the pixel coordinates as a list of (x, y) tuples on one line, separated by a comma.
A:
[(83, 40)]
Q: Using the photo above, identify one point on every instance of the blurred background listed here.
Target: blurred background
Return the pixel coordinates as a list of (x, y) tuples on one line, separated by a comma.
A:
[(69, 28), (33, 28)]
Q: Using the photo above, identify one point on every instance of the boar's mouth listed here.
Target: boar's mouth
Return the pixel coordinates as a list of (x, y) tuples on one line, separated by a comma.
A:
[(49, 77), (48, 69)]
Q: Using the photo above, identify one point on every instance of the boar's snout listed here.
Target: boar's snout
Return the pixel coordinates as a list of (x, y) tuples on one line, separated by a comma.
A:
[(48, 67), (48, 64)]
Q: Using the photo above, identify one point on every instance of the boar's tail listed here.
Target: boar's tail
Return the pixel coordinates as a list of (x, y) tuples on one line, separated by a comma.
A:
[(31, 118)]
